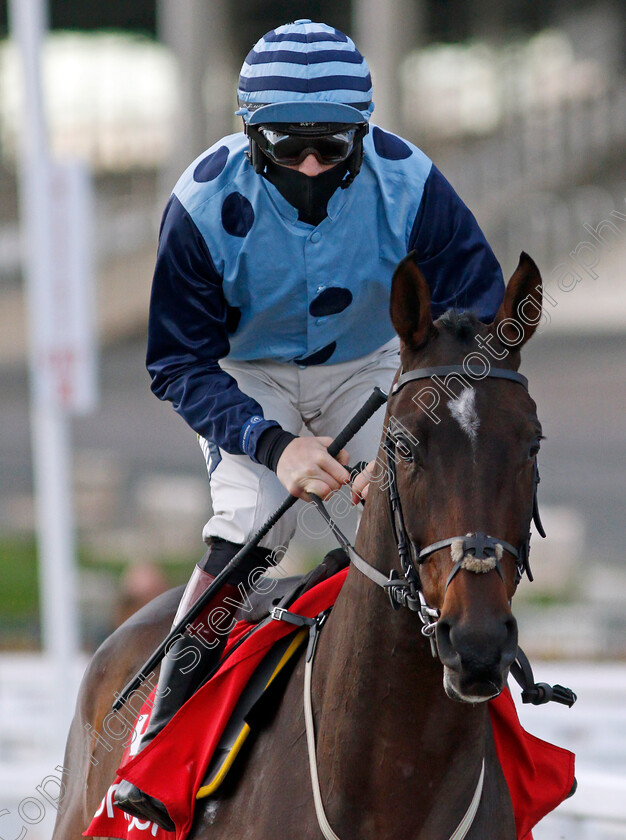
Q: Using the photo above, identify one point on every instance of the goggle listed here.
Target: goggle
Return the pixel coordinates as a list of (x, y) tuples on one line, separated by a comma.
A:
[(290, 148)]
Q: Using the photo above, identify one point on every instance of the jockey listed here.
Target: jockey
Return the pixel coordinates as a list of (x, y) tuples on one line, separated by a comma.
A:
[(269, 316)]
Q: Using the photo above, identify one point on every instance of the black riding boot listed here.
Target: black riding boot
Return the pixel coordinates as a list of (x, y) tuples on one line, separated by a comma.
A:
[(185, 667)]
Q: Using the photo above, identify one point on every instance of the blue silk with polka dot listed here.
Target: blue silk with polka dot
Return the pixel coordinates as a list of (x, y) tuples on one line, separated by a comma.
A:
[(271, 265), (304, 295)]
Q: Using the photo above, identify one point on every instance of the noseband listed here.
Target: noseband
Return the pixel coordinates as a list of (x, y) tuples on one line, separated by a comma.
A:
[(475, 552)]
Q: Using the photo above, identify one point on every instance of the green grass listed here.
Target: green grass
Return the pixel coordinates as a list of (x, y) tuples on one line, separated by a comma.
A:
[(18, 579), (19, 585)]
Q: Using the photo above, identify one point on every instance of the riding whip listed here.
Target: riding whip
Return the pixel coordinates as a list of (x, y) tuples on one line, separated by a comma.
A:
[(376, 399)]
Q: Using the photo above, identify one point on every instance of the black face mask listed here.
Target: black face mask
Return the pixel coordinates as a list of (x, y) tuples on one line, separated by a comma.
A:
[(309, 195)]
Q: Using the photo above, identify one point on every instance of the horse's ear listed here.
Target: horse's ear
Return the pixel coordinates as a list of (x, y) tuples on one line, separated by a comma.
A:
[(520, 312), (410, 304)]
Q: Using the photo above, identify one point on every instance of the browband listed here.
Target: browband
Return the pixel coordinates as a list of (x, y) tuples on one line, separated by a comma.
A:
[(468, 370)]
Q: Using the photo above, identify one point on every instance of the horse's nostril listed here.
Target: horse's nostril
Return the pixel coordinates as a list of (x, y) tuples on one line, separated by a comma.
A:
[(444, 641), (510, 649), (511, 628)]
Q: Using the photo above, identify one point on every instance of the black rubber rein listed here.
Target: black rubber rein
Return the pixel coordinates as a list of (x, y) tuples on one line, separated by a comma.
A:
[(377, 399)]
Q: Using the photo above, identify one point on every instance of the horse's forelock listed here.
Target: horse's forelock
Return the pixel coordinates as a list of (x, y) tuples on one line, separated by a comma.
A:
[(461, 325)]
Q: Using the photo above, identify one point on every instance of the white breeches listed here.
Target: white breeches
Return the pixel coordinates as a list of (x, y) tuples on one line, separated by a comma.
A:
[(317, 400)]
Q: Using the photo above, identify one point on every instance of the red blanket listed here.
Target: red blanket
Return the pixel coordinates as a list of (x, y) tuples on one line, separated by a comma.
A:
[(539, 775)]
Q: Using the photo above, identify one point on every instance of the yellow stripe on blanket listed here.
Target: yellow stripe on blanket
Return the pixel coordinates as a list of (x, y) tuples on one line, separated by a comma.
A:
[(220, 773)]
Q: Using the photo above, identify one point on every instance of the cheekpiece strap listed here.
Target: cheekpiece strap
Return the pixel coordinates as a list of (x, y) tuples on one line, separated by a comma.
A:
[(536, 516)]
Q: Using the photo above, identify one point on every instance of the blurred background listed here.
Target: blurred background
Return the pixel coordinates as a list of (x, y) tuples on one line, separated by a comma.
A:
[(523, 108)]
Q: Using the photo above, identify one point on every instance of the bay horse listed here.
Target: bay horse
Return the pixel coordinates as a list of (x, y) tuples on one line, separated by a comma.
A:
[(401, 740)]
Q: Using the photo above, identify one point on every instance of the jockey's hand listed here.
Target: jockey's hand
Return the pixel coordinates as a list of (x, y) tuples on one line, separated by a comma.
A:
[(306, 467), (361, 484)]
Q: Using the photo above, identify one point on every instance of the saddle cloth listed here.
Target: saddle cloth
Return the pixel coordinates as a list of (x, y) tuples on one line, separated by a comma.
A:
[(539, 775)]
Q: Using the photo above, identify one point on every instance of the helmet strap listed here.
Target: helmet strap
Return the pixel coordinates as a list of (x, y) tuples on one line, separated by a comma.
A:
[(354, 164), (255, 155)]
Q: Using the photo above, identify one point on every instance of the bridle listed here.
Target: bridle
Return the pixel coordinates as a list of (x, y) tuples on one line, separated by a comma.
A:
[(479, 545), (407, 591)]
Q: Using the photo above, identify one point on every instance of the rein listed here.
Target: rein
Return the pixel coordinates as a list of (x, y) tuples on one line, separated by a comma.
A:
[(470, 549)]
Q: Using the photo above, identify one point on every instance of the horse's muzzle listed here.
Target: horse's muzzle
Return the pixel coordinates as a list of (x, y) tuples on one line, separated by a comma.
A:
[(476, 661)]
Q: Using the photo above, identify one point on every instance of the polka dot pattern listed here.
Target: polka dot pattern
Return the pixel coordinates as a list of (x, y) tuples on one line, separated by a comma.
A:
[(233, 316), (389, 146), (237, 215), (330, 302), (211, 166), (320, 356)]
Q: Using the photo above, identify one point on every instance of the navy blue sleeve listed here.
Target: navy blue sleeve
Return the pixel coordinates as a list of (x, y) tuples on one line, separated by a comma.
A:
[(453, 254), (187, 335)]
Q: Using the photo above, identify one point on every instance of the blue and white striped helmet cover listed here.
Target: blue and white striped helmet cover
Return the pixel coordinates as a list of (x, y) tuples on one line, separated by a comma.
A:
[(305, 72)]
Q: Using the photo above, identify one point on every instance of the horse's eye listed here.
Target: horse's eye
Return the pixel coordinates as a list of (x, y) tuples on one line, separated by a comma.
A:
[(535, 447), (405, 449)]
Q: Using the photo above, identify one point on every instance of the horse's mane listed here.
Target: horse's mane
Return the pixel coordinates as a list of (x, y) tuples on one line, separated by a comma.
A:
[(461, 325)]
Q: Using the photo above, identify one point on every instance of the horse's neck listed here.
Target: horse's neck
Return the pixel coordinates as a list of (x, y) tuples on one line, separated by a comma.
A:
[(384, 722)]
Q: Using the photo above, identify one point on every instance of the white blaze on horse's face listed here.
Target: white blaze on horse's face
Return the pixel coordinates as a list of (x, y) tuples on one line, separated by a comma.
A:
[(463, 409)]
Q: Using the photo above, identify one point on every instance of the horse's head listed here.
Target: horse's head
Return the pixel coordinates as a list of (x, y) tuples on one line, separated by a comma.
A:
[(464, 444)]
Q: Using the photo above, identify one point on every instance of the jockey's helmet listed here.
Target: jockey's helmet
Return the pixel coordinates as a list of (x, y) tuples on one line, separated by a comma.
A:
[(304, 87)]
